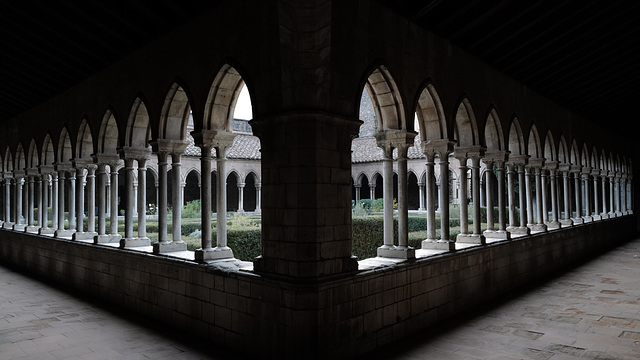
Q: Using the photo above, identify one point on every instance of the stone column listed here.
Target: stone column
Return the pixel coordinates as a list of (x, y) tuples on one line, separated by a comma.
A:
[(489, 197), (553, 179), (421, 195), (135, 198), (61, 201), (463, 201), (7, 203), (612, 195), (536, 165), (502, 216), (372, 191), (101, 199), (55, 208), (142, 239), (566, 221), (220, 141), (113, 221), (431, 197), (91, 200), (44, 225), (528, 194), (40, 187), (128, 202), (545, 195), (403, 198), (442, 148), (519, 162), (175, 148), (603, 180), (258, 197), (511, 196), (578, 195), (616, 187), (477, 236), (241, 197), (357, 189), (79, 202), (31, 183), (523, 201), (72, 200), (387, 196), (17, 209), (585, 192), (596, 198), (107, 196)]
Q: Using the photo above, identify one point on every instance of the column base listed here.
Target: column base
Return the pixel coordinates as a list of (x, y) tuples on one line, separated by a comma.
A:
[(554, 225), (8, 225), (18, 227), (471, 239), (134, 242), (83, 235), (577, 221), (538, 227), (519, 230), (566, 222), (397, 252), (107, 238), (166, 247), (439, 245), (216, 253), (587, 218), (596, 217), (31, 229), (604, 216), (46, 231), (64, 233), (497, 234)]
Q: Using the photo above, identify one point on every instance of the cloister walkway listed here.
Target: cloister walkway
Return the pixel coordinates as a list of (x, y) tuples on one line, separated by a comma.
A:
[(592, 312)]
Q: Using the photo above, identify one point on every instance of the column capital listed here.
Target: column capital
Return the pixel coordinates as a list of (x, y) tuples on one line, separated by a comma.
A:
[(18, 174), (441, 147), (135, 153), (32, 171), (468, 152), (577, 169), (517, 160), (105, 159), (213, 138), (536, 163), (551, 165), (169, 146), (586, 170)]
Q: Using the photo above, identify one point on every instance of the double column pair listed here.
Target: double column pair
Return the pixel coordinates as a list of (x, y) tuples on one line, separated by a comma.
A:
[(401, 141), (463, 154), (131, 156)]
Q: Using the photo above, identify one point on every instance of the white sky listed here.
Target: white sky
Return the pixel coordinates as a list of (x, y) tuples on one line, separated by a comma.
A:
[(243, 106)]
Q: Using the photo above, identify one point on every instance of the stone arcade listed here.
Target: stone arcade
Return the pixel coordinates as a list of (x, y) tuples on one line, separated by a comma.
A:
[(561, 193)]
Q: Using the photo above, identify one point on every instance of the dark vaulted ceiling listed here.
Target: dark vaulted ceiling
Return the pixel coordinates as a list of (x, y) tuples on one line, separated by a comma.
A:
[(582, 54)]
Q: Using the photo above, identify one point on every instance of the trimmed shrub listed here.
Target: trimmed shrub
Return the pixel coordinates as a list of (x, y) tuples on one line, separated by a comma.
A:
[(246, 244)]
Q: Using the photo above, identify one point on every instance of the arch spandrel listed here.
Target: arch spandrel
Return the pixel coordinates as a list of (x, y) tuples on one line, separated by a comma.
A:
[(550, 153), (574, 155), (222, 100), (65, 152), (108, 137), (534, 145), (48, 155), (84, 144), (386, 99), (516, 138), (138, 130), (33, 158), (563, 151), (174, 118), (493, 135), (466, 128)]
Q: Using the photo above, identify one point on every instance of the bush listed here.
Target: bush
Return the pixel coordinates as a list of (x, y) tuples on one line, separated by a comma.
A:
[(246, 244), (192, 209)]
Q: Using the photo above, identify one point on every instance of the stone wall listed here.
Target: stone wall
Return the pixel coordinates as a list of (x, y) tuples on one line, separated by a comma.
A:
[(336, 318)]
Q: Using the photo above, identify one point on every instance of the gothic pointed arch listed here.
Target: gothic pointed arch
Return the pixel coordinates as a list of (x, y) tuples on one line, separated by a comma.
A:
[(493, 134), (84, 144), (550, 153), (386, 99), (20, 159), (431, 117), (65, 153), (222, 99), (138, 130), (516, 138), (108, 136), (563, 151), (585, 159), (574, 155), (48, 156), (466, 127), (33, 158), (7, 161), (534, 145), (174, 118)]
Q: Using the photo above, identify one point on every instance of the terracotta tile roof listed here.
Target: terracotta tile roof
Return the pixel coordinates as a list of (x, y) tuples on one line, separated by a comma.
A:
[(364, 149), (244, 147)]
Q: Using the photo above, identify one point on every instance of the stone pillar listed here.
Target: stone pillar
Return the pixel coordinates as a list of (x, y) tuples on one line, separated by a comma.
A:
[(31, 200), (101, 199), (578, 194), (553, 179), (545, 195), (17, 209), (40, 201), (221, 141), (612, 195), (431, 197), (357, 188), (113, 221), (566, 221), (79, 202), (536, 165), (107, 196), (616, 187), (463, 199), (72, 200), (511, 196), (489, 196), (55, 208), (528, 194), (523, 199), (175, 148), (400, 140), (463, 154), (128, 202), (61, 201), (442, 148), (241, 197), (91, 200), (585, 192), (421, 195), (44, 225), (7, 203), (596, 198), (502, 215), (475, 195), (603, 180), (135, 198), (310, 214), (258, 197), (517, 162), (142, 239), (372, 191)]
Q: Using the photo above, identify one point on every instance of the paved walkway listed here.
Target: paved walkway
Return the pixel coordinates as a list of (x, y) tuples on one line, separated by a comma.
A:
[(591, 312), (39, 321)]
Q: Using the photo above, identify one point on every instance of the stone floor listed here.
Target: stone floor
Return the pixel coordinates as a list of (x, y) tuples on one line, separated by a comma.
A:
[(590, 312)]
